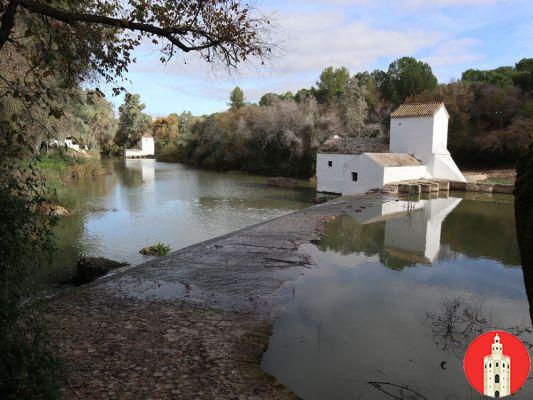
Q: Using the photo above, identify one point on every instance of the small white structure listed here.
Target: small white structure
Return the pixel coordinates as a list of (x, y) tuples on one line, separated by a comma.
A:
[(147, 149), (72, 143), (418, 140), (497, 371)]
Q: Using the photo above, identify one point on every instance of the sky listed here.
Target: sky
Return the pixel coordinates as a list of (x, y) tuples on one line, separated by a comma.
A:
[(450, 35)]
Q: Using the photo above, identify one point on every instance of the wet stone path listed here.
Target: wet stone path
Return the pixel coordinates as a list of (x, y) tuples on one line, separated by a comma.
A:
[(192, 324)]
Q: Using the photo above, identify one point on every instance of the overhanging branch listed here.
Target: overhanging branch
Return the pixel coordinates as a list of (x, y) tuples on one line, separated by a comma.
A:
[(169, 33)]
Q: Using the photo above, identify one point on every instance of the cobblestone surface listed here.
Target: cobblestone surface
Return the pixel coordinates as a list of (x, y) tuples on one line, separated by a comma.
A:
[(193, 324)]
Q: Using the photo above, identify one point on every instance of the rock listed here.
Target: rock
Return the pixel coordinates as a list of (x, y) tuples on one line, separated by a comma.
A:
[(59, 211), (90, 268), (322, 199)]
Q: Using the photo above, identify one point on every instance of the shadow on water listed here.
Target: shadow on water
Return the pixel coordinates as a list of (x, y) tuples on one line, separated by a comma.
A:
[(524, 219), (399, 292)]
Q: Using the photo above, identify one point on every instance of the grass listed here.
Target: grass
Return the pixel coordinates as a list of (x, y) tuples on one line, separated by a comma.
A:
[(61, 168), (493, 180), (159, 249)]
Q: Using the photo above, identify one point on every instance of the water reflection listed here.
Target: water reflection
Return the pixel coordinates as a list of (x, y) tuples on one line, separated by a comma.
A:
[(364, 326), (144, 201)]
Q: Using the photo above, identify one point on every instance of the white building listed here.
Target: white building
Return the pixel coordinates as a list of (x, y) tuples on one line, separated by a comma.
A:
[(418, 150), (147, 148), (497, 371)]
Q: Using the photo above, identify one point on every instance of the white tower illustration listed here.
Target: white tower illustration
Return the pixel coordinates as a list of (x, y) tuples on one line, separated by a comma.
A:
[(497, 371)]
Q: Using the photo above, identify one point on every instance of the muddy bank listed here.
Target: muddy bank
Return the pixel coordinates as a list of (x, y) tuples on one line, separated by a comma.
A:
[(192, 324)]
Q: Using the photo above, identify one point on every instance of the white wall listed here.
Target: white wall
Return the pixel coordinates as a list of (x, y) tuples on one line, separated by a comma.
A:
[(147, 149), (329, 179), (370, 175), (397, 174), (442, 166), (440, 132), (412, 135), (147, 146)]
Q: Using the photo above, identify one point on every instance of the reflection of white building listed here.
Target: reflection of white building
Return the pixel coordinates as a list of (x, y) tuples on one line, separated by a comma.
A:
[(147, 149), (412, 228), (497, 371), (146, 167), (417, 150)]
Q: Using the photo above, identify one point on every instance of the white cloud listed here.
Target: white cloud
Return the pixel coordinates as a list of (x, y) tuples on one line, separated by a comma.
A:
[(454, 52), (317, 40)]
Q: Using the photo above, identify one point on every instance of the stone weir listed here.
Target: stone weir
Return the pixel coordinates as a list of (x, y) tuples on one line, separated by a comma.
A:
[(192, 324)]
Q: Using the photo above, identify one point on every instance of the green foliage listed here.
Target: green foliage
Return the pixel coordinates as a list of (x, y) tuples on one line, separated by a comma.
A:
[(159, 249), (332, 84), (132, 121), (165, 131), (60, 167), (30, 367), (407, 77), (236, 98)]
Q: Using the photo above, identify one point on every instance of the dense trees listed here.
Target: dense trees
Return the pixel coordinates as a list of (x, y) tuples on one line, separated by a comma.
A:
[(491, 114), (132, 121), (491, 118)]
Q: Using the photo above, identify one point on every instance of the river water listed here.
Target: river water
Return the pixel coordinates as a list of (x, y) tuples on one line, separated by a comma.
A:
[(142, 202), (397, 294), (398, 291)]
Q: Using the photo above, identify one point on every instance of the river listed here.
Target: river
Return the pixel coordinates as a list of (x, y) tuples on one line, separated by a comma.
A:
[(142, 202), (397, 293)]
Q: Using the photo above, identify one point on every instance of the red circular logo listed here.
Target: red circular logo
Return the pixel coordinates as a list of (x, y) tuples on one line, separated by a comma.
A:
[(497, 364)]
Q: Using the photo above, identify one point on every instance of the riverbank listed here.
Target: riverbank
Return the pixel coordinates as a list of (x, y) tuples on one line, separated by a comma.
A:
[(193, 323), (60, 168)]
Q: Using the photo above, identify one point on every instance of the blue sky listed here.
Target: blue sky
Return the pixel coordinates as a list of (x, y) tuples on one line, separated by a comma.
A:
[(451, 35)]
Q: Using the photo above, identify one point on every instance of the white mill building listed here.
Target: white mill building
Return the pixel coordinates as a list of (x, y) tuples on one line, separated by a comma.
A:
[(147, 149), (417, 150), (497, 371)]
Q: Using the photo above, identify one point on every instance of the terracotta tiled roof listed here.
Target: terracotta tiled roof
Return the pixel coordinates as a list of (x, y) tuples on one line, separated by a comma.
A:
[(416, 110), (354, 145), (394, 159)]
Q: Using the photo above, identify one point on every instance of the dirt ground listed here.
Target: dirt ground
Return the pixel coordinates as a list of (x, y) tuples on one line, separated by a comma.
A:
[(490, 176)]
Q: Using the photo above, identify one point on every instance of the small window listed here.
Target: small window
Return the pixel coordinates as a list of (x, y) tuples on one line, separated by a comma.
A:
[(496, 364), (354, 176), (399, 124), (330, 163), (497, 379)]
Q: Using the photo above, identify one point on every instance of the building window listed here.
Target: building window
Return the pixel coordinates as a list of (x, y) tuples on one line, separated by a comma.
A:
[(503, 365), (354, 176), (496, 394), (496, 364), (330, 163), (497, 379)]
